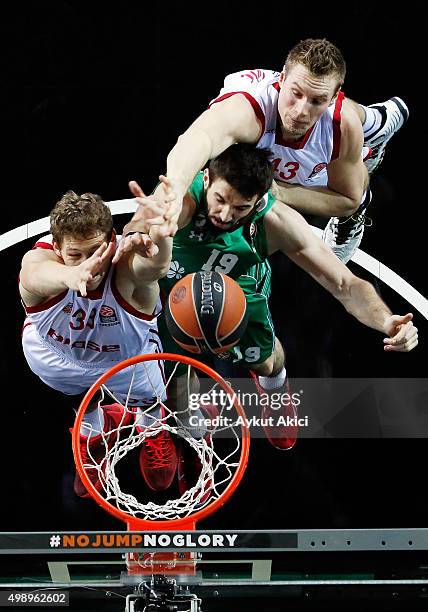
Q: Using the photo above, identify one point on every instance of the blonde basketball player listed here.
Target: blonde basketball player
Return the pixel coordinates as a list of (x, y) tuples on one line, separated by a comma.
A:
[(86, 313)]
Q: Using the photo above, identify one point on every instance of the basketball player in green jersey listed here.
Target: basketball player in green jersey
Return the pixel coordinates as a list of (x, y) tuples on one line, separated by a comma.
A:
[(230, 223), (208, 240)]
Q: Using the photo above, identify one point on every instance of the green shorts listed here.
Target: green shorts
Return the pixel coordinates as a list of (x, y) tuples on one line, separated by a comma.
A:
[(257, 343)]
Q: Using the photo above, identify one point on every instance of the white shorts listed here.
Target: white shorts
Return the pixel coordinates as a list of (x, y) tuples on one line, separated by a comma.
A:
[(140, 385)]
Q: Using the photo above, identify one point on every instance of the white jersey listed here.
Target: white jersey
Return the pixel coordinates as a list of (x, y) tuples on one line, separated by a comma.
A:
[(303, 161), (70, 340)]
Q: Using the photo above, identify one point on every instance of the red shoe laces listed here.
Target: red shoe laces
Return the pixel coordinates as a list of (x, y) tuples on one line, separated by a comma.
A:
[(158, 450)]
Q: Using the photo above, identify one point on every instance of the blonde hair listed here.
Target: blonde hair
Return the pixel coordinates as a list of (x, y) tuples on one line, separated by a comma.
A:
[(319, 56), (80, 216)]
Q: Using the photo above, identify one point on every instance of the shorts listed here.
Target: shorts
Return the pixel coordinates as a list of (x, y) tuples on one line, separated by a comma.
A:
[(74, 378)]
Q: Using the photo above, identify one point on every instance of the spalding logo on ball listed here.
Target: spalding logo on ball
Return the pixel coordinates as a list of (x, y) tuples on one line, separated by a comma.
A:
[(206, 312)]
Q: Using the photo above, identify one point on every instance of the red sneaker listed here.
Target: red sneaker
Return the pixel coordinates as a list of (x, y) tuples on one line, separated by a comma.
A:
[(113, 418), (283, 437), (189, 464), (158, 461)]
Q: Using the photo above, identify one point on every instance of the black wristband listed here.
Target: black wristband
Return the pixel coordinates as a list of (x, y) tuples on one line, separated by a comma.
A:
[(136, 232)]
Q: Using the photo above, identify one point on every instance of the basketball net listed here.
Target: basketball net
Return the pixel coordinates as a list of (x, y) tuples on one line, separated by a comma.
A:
[(222, 453)]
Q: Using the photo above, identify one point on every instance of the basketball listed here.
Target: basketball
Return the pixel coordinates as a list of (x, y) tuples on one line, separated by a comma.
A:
[(206, 312)]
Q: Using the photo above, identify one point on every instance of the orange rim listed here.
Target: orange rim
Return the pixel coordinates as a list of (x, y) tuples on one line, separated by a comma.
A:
[(189, 521)]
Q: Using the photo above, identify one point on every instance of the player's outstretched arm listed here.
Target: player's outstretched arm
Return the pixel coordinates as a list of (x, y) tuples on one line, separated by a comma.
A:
[(288, 232), (144, 252), (226, 122), (44, 275)]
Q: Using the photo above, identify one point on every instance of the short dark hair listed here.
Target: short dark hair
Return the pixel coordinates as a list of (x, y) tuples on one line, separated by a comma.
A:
[(320, 57), (80, 216), (246, 168)]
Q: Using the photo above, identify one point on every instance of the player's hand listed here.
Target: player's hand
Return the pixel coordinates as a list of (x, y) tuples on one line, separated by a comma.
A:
[(137, 242), (151, 209), (174, 204), (89, 271), (277, 188), (403, 335)]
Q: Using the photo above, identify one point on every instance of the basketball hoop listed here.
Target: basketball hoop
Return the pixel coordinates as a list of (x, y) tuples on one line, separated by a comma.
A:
[(223, 455)]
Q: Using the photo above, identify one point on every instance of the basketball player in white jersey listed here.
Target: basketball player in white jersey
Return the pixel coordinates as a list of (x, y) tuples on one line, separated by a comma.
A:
[(85, 315), (216, 195), (315, 134)]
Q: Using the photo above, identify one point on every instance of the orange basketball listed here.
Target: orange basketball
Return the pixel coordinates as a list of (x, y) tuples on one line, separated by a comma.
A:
[(206, 312)]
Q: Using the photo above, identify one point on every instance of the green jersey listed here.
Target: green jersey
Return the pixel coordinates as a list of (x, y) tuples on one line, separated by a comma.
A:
[(199, 246), (242, 254)]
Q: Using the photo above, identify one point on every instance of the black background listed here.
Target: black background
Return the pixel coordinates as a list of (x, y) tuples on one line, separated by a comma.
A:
[(94, 96)]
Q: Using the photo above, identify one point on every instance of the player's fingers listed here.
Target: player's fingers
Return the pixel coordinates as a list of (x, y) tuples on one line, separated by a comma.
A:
[(119, 252), (151, 207), (406, 343), (146, 240), (170, 198), (161, 230), (135, 189), (404, 347), (125, 247), (82, 287), (409, 332), (171, 229), (172, 210), (93, 265), (156, 221), (402, 320), (165, 182), (108, 251), (128, 244), (151, 250), (404, 333), (98, 253)]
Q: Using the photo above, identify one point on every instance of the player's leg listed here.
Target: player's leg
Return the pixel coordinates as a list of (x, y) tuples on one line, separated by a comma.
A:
[(71, 379), (142, 387), (104, 416), (380, 122), (189, 415), (185, 384), (184, 379), (158, 455), (263, 355), (344, 234), (101, 423)]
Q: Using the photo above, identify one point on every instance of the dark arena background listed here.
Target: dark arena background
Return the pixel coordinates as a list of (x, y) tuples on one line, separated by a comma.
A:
[(94, 96)]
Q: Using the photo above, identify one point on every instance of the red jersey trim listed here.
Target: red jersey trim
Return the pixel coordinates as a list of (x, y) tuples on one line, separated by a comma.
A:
[(95, 294), (46, 305), (291, 144), (42, 245), (25, 326), (279, 139), (336, 125), (256, 106), (128, 307)]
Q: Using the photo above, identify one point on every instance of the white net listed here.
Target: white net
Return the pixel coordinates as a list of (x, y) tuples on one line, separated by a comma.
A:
[(209, 450)]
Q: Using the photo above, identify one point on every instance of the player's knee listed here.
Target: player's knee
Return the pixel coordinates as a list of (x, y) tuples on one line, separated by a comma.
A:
[(266, 367), (349, 207), (274, 363), (278, 356)]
